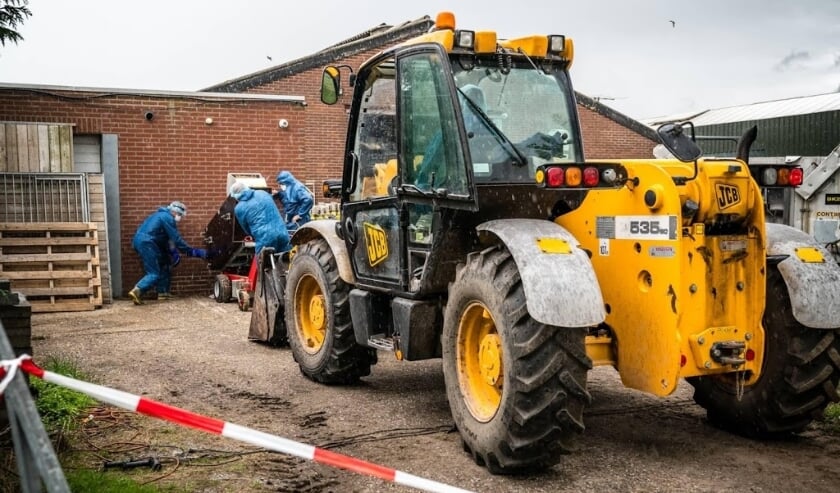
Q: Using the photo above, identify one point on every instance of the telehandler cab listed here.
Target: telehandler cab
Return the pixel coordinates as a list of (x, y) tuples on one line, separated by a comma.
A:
[(473, 230)]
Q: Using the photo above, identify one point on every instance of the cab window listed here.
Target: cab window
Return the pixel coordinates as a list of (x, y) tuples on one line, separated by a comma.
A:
[(431, 153)]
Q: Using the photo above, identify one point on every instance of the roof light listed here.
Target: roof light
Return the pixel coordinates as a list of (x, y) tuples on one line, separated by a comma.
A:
[(556, 44), (465, 40), (445, 20)]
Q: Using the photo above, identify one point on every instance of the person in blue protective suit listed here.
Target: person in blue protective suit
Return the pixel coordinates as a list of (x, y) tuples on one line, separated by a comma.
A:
[(259, 218), (159, 245), (296, 198)]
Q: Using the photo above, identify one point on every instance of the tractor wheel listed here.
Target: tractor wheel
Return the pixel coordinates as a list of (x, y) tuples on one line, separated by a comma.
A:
[(244, 300), (516, 387), (318, 319), (222, 289), (798, 380)]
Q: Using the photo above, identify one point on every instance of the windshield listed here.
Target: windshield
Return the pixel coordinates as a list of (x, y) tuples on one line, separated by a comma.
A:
[(516, 117)]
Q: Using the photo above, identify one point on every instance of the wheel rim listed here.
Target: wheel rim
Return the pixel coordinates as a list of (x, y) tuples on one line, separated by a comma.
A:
[(480, 364), (312, 314), (217, 289)]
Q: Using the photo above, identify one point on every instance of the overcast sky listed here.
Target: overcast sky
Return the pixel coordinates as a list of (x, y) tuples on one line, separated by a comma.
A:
[(629, 54)]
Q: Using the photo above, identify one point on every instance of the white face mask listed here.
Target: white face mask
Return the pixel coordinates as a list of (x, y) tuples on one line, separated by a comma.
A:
[(177, 218), (282, 187)]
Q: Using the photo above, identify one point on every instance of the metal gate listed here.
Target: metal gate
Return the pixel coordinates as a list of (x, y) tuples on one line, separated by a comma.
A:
[(44, 197)]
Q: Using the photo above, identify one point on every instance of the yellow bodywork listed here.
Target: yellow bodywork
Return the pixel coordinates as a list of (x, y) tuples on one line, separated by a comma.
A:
[(673, 297)]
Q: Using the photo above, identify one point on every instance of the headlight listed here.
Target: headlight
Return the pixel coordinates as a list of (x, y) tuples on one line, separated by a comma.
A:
[(556, 44), (465, 40)]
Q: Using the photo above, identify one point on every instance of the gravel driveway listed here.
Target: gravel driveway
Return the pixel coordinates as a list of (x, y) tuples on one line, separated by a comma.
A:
[(193, 353)]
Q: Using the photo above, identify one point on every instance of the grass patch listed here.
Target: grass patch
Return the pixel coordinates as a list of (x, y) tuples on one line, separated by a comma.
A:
[(832, 417), (59, 407), (99, 482), (61, 411)]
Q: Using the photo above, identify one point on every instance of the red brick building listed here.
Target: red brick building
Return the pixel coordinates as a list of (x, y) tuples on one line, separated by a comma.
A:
[(159, 146)]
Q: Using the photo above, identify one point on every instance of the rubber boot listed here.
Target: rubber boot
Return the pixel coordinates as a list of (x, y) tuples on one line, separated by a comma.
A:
[(135, 294)]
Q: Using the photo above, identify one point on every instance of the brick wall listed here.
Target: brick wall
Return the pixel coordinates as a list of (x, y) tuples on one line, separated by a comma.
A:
[(175, 156), (604, 138)]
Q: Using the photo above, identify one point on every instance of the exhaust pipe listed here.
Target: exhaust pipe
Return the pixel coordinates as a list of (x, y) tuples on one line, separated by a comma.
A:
[(744, 144)]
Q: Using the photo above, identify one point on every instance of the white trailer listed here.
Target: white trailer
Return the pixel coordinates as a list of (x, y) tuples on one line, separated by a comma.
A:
[(813, 207)]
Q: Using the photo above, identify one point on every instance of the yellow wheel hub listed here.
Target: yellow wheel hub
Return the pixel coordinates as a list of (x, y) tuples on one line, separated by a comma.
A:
[(310, 307), (490, 358), (480, 362)]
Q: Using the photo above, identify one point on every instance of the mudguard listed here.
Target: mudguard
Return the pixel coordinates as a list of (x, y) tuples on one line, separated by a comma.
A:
[(325, 228), (813, 284), (560, 285)]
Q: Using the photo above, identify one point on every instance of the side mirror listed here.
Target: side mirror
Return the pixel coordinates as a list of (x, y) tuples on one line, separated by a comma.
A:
[(331, 189), (680, 145), (330, 85)]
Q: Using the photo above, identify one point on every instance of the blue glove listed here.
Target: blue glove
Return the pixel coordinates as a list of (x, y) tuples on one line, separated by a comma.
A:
[(176, 256), (198, 252)]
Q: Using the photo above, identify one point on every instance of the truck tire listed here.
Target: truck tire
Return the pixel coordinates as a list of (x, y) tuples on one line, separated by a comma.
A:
[(318, 319), (222, 289), (798, 379), (516, 387)]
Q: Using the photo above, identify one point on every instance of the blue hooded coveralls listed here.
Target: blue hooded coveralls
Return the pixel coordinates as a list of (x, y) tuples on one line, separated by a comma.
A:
[(258, 216), (297, 200), (151, 242)]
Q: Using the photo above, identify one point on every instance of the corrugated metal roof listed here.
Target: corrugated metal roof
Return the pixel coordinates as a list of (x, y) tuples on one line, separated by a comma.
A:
[(758, 111)]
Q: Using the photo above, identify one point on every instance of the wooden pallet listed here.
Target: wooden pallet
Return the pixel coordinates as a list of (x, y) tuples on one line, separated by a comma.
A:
[(56, 265)]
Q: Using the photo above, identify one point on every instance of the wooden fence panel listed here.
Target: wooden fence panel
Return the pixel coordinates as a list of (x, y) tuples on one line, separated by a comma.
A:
[(36, 148), (11, 148), (3, 161)]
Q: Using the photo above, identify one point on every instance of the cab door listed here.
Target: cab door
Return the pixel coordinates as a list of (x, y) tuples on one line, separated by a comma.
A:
[(435, 176), (404, 105)]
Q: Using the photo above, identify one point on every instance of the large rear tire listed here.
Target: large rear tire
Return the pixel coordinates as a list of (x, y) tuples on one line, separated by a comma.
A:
[(516, 387), (318, 321), (799, 377)]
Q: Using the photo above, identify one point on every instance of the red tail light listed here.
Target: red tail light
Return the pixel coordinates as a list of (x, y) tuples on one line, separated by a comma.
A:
[(796, 176), (555, 177), (573, 175), (591, 177)]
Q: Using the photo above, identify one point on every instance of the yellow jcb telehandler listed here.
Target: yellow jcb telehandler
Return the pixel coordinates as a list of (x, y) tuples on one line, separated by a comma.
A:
[(473, 230)]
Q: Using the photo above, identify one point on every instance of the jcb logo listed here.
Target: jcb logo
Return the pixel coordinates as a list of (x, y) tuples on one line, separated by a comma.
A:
[(727, 196), (377, 244)]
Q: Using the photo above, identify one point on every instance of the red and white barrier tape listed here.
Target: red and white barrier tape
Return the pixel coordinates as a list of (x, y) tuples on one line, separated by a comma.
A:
[(180, 416)]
